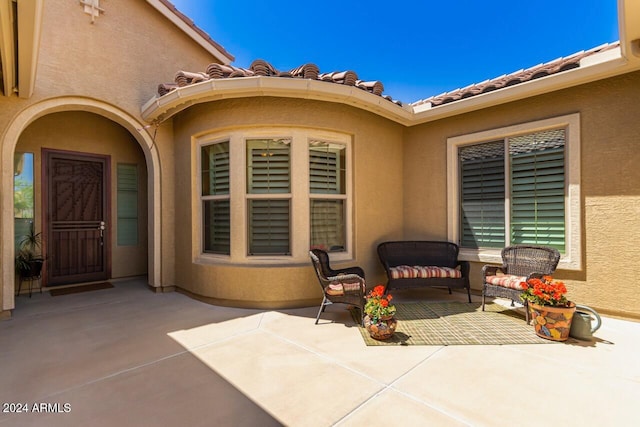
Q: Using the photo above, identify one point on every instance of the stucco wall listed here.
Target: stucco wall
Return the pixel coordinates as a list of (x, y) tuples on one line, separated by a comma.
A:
[(90, 133), (377, 196), (118, 61), (610, 183)]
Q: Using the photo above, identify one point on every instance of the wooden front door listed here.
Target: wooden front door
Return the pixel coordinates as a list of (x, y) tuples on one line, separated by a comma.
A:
[(76, 217)]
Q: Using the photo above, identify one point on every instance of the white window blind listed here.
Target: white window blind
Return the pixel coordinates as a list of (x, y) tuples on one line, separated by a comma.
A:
[(535, 185), (327, 181), (216, 215), (482, 195), (269, 196), (538, 189)]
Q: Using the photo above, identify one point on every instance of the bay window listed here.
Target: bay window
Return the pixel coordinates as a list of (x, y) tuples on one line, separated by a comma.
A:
[(269, 195)]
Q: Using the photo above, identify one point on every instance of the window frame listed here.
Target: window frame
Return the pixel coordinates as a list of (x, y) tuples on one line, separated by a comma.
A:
[(299, 196), (571, 259), (211, 197)]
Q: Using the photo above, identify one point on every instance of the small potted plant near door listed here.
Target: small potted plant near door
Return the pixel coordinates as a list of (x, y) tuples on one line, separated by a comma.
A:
[(29, 258), (550, 309), (379, 312)]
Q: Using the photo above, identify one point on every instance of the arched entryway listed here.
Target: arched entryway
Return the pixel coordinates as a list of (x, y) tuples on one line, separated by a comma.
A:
[(62, 126)]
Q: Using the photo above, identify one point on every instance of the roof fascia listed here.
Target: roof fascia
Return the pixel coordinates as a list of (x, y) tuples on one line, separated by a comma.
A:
[(7, 47), (29, 30), (162, 108), (192, 31), (596, 67)]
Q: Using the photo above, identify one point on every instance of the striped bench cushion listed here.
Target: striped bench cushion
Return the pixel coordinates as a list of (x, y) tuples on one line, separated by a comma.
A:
[(506, 281), (423, 272)]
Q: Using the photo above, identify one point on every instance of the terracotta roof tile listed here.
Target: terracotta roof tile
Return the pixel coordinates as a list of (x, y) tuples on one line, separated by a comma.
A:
[(541, 70), (260, 67)]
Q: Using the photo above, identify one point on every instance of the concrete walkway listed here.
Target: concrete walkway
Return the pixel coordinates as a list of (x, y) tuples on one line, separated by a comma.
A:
[(128, 357)]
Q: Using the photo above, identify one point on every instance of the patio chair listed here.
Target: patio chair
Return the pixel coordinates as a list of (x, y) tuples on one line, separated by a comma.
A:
[(519, 264), (345, 286)]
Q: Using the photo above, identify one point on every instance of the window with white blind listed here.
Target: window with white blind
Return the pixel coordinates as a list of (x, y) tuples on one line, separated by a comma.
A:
[(516, 185), (269, 194), (327, 176), (215, 196)]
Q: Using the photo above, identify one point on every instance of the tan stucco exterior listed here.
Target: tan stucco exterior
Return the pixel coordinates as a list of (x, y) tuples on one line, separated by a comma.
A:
[(610, 183), (94, 91), (108, 68), (377, 188)]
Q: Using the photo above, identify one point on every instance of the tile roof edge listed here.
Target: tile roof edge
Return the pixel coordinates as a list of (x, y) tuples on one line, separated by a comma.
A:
[(164, 6), (504, 79)]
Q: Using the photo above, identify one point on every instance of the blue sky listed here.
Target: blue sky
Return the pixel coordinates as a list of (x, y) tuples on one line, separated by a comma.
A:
[(416, 48)]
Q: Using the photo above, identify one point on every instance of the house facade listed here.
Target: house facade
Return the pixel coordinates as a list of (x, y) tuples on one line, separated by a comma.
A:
[(217, 184)]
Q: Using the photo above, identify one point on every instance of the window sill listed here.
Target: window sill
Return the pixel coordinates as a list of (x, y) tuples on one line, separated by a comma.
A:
[(493, 256)]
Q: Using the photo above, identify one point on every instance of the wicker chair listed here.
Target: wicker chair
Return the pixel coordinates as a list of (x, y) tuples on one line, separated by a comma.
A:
[(519, 263), (348, 283)]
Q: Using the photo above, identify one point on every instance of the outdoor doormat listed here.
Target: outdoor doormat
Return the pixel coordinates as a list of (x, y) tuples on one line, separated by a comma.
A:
[(78, 289), (456, 323)]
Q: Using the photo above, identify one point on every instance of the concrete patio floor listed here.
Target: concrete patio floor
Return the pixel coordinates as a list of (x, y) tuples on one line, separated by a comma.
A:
[(128, 357)]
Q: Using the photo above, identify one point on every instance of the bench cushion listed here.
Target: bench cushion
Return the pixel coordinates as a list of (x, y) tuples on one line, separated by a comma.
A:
[(506, 281), (423, 272)]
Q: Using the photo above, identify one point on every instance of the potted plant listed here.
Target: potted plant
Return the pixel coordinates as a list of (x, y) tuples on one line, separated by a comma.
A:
[(379, 312), (550, 309), (29, 259)]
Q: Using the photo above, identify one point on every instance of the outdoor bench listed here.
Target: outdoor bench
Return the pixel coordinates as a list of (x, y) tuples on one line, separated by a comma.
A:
[(415, 264)]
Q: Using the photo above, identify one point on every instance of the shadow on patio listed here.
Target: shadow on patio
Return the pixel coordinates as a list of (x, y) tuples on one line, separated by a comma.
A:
[(127, 356)]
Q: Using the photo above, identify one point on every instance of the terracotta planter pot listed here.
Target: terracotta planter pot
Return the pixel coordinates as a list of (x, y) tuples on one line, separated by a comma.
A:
[(552, 323), (382, 330)]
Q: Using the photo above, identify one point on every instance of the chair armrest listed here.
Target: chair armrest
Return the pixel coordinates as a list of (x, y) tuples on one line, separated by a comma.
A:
[(464, 268), (492, 270), (352, 284), (350, 270), (536, 275)]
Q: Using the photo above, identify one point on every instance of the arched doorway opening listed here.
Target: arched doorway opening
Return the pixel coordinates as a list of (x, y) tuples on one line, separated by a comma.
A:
[(84, 127)]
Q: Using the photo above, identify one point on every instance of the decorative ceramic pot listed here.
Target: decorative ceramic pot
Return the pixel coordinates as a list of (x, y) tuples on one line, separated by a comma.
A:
[(382, 330), (552, 323)]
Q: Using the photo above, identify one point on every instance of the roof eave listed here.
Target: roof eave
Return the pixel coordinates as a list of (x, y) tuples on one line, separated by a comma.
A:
[(161, 108), (596, 67)]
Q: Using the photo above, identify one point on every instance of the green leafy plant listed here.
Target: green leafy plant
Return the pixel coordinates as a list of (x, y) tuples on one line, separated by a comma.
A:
[(378, 304), (29, 252)]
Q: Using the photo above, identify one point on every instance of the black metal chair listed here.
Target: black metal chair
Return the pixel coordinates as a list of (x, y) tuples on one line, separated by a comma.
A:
[(345, 286), (519, 264)]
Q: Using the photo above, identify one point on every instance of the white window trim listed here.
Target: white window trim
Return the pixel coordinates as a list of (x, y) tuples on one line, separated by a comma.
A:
[(300, 195), (572, 258)]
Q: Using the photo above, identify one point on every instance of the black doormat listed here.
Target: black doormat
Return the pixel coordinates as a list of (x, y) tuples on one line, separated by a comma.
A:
[(78, 289)]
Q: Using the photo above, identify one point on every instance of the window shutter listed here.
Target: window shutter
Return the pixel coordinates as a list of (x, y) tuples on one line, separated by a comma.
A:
[(268, 172), (216, 216), (537, 189), (328, 224), (127, 200), (327, 177), (324, 172), (268, 166), (217, 226), (269, 227), (215, 169), (482, 195)]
